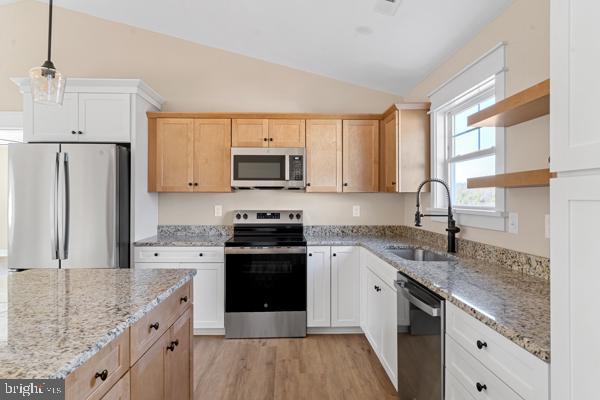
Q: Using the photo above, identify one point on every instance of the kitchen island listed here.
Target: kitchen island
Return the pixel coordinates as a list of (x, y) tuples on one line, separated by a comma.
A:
[(101, 330)]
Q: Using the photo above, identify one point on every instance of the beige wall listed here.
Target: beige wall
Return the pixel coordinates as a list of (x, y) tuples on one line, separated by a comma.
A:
[(3, 196), (524, 26)]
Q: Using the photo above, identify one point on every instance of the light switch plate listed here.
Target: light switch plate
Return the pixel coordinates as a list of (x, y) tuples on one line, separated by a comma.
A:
[(513, 222), (218, 211), (356, 211)]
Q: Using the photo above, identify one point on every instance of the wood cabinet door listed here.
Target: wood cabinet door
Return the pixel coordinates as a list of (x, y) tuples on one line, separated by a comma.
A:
[(104, 117), (413, 150), (318, 296), (148, 373), (212, 155), (389, 153), (54, 124), (323, 155), (250, 133), (178, 362), (287, 132), (174, 155), (345, 284), (360, 156)]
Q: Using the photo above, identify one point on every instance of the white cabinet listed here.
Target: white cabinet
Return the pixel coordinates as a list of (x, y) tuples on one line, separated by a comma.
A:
[(345, 286), (318, 299), (103, 117), (575, 279), (575, 87), (379, 314), (53, 123), (209, 282), (454, 390)]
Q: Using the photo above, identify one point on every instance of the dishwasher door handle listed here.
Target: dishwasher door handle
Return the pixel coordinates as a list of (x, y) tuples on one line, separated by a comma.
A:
[(428, 309)]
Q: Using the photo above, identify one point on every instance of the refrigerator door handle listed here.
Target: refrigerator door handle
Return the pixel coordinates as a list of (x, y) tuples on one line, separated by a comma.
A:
[(54, 209), (63, 248)]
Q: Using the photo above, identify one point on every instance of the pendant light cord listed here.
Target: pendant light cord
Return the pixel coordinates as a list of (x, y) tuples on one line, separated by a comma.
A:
[(50, 31)]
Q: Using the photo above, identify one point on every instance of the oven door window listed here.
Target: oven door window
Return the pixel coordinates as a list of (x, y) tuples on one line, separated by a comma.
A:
[(259, 168), (265, 282)]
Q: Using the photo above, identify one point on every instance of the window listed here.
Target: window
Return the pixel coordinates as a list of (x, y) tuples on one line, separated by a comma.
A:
[(460, 152)]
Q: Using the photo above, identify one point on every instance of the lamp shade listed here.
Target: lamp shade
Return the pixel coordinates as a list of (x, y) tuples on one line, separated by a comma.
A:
[(47, 85)]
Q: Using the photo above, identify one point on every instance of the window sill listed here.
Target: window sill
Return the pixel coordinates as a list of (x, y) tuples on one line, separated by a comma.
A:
[(492, 220)]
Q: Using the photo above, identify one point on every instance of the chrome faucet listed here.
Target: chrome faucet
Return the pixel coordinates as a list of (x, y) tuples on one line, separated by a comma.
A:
[(452, 228)]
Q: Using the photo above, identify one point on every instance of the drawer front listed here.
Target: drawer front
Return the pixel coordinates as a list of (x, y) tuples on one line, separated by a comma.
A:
[(112, 360), (522, 371), (120, 391), (455, 390), (383, 270), (179, 254), (148, 329), (477, 380)]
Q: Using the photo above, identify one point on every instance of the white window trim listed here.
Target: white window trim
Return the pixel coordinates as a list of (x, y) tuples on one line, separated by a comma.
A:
[(491, 64)]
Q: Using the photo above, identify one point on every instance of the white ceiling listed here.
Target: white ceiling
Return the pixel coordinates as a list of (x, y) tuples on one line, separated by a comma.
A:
[(343, 39)]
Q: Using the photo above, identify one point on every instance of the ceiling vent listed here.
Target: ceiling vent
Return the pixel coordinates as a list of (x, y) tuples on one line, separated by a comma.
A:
[(387, 7)]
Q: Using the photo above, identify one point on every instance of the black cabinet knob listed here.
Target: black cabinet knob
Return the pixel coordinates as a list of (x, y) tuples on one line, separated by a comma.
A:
[(155, 254), (481, 345), (308, 184), (265, 139), (195, 183), (334, 254), (377, 288), (394, 183), (190, 183), (184, 299), (155, 326), (73, 132), (480, 387), (79, 133), (173, 344), (346, 184), (102, 375), (310, 254), (270, 139), (201, 255)]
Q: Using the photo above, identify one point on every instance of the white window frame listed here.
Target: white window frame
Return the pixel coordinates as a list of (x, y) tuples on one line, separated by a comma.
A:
[(472, 81)]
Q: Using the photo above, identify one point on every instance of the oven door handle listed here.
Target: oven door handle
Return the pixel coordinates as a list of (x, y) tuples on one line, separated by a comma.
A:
[(266, 250)]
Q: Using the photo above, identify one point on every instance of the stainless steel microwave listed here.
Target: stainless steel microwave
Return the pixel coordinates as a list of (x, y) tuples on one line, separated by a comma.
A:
[(267, 168)]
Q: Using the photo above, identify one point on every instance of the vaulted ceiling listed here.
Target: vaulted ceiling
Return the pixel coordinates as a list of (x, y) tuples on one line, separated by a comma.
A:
[(349, 40)]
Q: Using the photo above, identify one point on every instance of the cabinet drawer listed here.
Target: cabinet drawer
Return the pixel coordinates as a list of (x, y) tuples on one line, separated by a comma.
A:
[(522, 371), (478, 381), (113, 359), (148, 329), (179, 254), (383, 270), (120, 391), (455, 390)]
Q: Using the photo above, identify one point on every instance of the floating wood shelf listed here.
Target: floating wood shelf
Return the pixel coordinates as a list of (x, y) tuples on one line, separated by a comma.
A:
[(529, 104), (538, 177)]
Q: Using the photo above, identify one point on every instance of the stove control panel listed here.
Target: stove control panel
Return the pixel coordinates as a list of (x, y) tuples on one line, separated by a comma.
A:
[(267, 217)]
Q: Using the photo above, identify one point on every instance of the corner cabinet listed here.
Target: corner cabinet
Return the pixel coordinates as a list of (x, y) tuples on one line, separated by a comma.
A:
[(404, 147), (189, 155), (360, 142)]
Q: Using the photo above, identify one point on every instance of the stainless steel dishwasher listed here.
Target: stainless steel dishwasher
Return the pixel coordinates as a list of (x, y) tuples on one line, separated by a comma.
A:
[(420, 342)]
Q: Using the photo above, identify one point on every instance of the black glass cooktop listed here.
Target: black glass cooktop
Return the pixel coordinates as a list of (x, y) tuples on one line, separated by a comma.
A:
[(267, 235)]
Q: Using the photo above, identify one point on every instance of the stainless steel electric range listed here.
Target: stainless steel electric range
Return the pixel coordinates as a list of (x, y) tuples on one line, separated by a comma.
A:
[(265, 275)]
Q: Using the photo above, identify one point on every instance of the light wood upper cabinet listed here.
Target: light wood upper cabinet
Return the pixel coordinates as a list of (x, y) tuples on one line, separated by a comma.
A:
[(212, 155), (189, 155), (172, 153), (286, 132), (360, 156), (250, 133), (323, 155), (404, 148)]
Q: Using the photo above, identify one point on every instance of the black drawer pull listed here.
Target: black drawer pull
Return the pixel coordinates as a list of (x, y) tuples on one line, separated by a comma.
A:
[(480, 387), (155, 326), (377, 288), (184, 299), (102, 375), (173, 344), (481, 345)]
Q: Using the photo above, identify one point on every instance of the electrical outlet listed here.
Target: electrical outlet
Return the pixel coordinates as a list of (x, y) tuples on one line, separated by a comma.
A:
[(547, 226), (513, 222), (218, 211), (356, 211)]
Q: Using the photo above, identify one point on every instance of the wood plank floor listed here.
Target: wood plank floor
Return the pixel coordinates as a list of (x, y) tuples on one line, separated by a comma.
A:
[(318, 367)]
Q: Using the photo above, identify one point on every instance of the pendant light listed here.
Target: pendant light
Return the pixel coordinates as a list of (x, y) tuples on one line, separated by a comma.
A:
[(47, 84)]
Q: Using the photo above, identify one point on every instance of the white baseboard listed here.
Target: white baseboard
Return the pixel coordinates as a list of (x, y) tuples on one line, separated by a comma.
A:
[(341, 330), (209, 331)]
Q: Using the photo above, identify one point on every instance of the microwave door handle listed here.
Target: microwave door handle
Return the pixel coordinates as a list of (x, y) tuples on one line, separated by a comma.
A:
[(287, 168)]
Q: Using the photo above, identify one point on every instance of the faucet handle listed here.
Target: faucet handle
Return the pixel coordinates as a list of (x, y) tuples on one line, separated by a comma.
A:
[(418, 216)]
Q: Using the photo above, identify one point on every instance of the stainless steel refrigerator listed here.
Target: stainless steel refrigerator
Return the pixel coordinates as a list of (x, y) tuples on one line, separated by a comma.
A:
[(68, 205)]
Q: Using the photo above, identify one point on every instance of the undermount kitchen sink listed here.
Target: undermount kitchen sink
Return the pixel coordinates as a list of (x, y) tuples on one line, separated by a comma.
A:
[(417, 254)]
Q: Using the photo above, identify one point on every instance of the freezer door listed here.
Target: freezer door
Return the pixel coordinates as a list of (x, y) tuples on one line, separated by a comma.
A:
[(32, 205), (91, 229)]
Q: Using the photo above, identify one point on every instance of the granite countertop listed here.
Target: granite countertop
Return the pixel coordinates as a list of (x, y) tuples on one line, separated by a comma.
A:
[(182, 240), (52, 321), (512, 303)]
